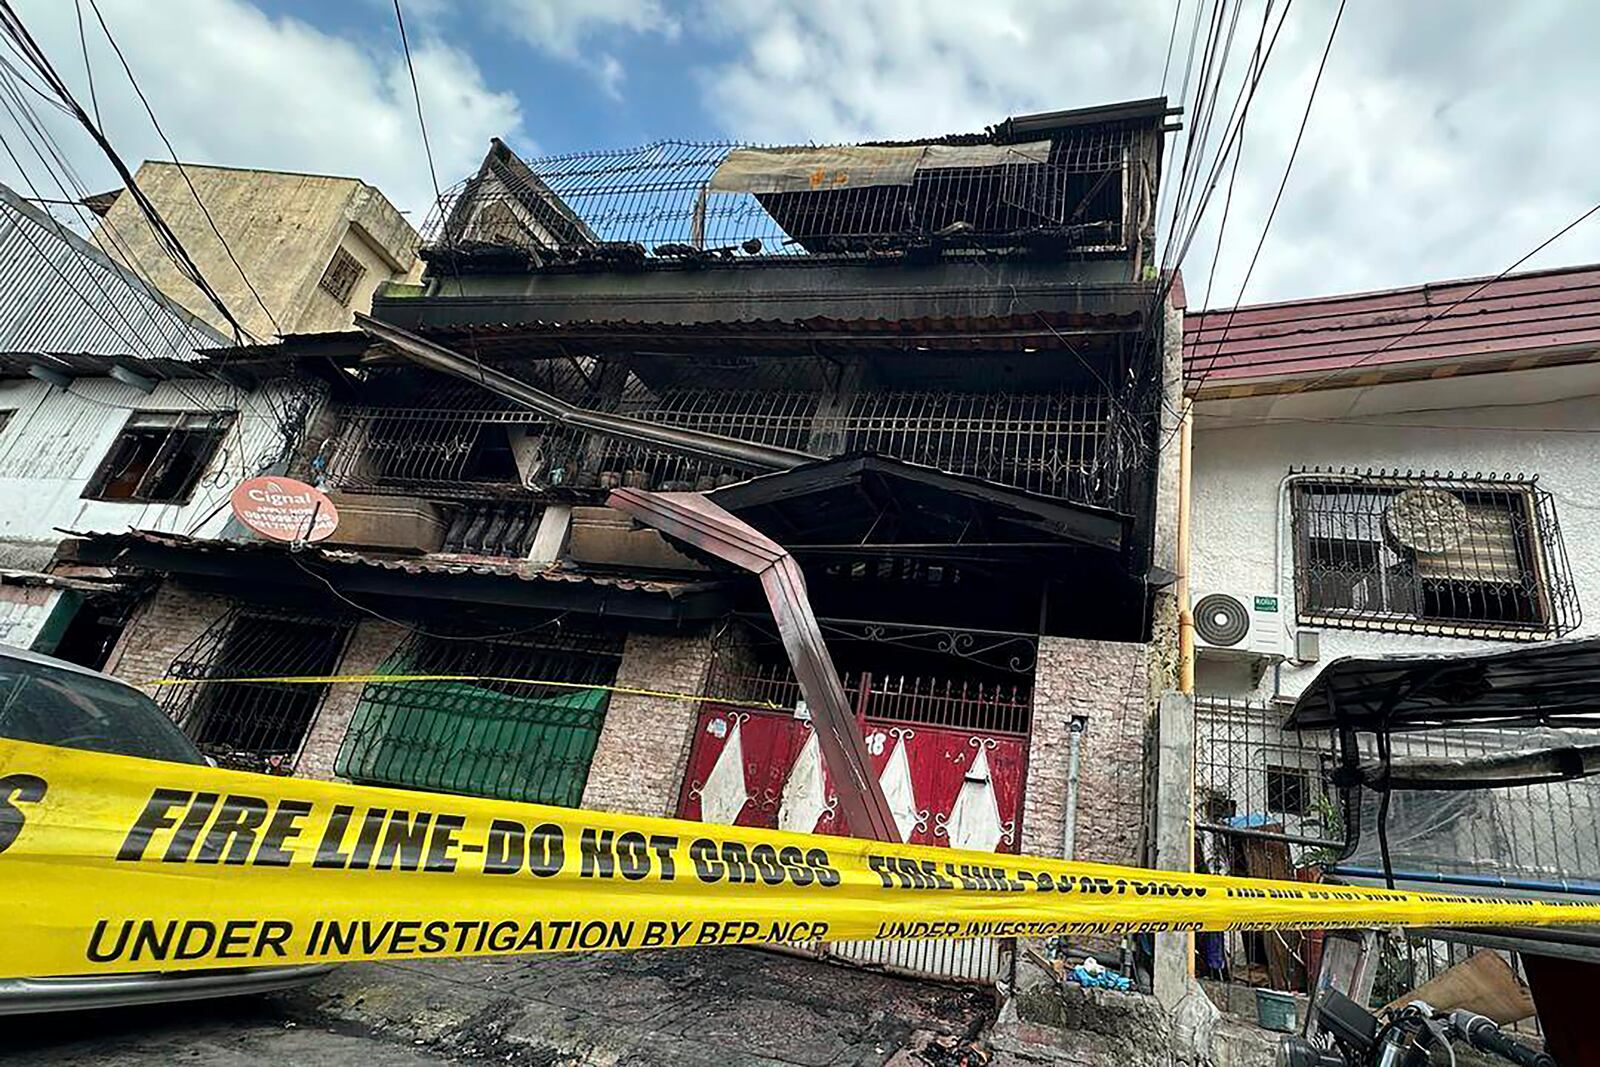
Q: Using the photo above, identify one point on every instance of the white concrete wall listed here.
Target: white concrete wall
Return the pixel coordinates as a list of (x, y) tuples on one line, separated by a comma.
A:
[(55, 441), (1510, 428)]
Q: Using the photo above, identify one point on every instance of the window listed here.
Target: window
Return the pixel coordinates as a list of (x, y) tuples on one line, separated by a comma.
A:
[(339, 279), (484, 735), (1381, 552), (1289, 790), (254, 726), (159, 456)]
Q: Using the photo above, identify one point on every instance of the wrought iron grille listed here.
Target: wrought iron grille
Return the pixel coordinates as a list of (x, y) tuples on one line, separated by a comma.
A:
[(254, 726), (1076, 446), (1480, 556), (721, 201), (487, 736), (968, 679)]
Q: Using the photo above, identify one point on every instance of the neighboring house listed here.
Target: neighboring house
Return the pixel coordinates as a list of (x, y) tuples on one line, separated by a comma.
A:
[(1401, 471), (937, 373), (110, 418), (297, 253)]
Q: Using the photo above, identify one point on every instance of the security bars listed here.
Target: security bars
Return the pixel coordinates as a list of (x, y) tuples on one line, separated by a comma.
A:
[(1479, 556)]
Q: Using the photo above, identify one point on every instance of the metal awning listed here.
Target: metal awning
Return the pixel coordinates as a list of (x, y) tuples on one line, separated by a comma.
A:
[(859, 500), (1553, 683)]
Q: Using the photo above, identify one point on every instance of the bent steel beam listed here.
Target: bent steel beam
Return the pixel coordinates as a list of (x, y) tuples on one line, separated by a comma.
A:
[(696, 443), (696, 521)]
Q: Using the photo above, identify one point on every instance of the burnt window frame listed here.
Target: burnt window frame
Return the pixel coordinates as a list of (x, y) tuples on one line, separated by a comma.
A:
[(1397, 590), (214, 713), (178, 426), (345, 272)]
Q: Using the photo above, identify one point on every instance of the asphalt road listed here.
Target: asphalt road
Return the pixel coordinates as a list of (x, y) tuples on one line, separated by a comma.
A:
[(692, 1007)]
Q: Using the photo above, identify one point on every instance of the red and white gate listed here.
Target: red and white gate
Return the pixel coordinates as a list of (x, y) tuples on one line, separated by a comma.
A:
[(948, 785)]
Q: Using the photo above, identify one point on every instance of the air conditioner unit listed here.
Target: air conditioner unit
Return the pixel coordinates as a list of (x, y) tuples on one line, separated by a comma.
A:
[(1227, 624)]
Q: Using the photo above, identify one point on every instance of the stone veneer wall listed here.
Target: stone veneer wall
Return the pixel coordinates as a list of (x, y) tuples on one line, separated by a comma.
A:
[(644, 746), (1109, 682), (369, 645)]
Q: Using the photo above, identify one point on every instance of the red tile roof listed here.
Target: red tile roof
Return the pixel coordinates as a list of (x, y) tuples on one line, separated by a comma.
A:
[(1553, 312)]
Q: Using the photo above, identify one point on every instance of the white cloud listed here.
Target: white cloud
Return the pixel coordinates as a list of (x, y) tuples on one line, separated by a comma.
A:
[(233, 86), (1446, 140), (571, 29)]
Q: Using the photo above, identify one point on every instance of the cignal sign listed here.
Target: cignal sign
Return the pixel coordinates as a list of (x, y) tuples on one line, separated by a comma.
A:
[(284, 509)]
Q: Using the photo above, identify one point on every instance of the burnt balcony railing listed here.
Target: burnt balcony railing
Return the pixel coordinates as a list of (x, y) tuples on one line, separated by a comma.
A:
[(1080, 447)]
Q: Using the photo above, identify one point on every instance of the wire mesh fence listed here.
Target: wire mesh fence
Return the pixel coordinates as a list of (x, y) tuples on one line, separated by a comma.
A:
[(1076, 191), (1265, 807)]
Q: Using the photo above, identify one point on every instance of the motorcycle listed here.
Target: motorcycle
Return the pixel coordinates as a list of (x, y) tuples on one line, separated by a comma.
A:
[(1351, 1036)]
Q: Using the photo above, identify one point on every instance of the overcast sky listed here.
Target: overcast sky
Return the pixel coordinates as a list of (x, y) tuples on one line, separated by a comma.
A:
[(1448, 136)]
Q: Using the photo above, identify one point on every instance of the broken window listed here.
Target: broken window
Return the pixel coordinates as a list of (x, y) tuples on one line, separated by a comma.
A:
[(339, 279), (1382, 552), (254, 726), (159, 456)]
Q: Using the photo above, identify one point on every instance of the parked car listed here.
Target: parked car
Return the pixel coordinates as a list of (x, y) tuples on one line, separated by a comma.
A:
[(52, 702)]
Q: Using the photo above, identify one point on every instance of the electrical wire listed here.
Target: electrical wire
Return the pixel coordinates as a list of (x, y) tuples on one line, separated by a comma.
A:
[(22, 42), (1445, 314), (1172, 36), (88, 71), (298, 562), (416, 95), (1272, 213), (139, 91)]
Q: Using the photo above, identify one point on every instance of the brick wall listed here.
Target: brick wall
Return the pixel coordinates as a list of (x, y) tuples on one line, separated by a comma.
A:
[(644, 746), (164, 625), (1107, 681), (369, 645)]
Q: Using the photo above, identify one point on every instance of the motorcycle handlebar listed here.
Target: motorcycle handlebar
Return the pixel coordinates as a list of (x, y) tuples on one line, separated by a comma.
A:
[(1484, 1035)]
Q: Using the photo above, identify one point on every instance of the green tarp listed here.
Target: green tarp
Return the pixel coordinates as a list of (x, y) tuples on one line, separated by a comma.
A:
[(457, 737)]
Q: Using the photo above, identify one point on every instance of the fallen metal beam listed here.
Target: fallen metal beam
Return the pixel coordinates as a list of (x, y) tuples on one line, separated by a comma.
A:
[(701, 524), (695, 443)]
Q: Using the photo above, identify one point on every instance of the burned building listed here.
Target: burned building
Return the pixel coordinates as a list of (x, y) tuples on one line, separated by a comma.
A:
[(935, 379)]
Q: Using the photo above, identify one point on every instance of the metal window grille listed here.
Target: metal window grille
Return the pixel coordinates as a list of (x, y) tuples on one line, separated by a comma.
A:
[(508, 739), (661, 202), (159, 456), (1076, 446), (342, 273), (254, 726), (1475, 556)]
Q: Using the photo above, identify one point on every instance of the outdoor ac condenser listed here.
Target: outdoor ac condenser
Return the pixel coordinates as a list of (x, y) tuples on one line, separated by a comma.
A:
[(1232, 624)]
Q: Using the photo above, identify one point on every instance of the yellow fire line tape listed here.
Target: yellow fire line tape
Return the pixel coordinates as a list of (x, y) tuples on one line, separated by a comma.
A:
[(113, 864), (363, 679)]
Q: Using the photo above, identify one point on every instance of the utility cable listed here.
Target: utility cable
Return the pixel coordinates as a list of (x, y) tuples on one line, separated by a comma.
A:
[(1283, 184), (139, 91)]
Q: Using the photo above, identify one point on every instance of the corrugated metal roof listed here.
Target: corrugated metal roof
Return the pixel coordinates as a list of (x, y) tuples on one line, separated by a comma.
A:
[(61, 295), (1034, 330), (1555, 311), (417, 565)]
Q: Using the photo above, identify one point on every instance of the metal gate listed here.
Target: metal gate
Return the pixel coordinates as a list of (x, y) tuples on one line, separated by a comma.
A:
[(485, 737), (952, 761)]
